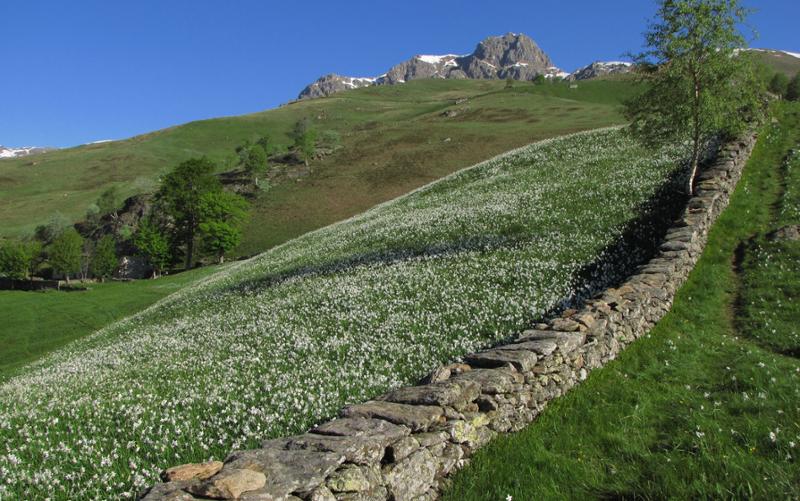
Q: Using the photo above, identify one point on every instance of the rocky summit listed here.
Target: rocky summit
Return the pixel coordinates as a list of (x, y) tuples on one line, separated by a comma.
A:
[(511, 55)]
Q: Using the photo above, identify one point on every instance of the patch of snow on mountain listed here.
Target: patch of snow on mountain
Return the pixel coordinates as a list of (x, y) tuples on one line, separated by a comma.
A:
[(21, 152), (793, 54), (435, 59)]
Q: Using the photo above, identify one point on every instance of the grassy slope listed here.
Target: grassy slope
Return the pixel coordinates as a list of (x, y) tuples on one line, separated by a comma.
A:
[(393, 138), (284, 340), (688, 411), (35, 323), (392, 127), (779, 61)]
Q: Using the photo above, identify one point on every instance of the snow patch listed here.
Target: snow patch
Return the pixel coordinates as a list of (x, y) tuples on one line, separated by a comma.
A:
[(435, 59), (614, 63), (21, 152)]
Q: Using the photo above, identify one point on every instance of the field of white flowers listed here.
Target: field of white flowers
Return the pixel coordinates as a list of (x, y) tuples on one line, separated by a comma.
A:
[(275, 344)]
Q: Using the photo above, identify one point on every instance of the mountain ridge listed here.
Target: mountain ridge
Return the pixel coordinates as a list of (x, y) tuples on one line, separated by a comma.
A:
[(7, 152), (513, 55)]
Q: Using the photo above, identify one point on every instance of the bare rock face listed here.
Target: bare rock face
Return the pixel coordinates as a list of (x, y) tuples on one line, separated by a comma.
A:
[(511, 50), (332, 83), (511, 55)]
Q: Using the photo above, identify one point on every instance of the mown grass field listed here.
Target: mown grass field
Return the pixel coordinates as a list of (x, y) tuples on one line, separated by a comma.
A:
[(277, 343), (394, 139), (36, 323), (706, 405)]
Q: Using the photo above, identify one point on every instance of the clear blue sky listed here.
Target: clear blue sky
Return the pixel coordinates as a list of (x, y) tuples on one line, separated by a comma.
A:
[(72, 72)]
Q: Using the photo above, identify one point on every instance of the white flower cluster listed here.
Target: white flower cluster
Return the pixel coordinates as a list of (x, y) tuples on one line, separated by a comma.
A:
[(275, 344)]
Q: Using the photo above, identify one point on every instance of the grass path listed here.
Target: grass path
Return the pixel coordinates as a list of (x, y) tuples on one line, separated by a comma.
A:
[(695, 409)]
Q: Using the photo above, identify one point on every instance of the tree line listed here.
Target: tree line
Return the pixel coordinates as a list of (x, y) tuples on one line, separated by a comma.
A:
[(191, 215)]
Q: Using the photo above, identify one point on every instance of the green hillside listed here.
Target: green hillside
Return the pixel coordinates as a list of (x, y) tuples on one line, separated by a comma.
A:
[(274, 344), (777, 60), (394, 138), (705, 405)]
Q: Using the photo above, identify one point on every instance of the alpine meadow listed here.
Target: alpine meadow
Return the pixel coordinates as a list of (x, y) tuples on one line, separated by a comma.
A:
[(494, 273)]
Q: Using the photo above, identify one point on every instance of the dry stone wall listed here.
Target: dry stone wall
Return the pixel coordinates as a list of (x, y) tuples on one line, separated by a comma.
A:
[(402, 446)]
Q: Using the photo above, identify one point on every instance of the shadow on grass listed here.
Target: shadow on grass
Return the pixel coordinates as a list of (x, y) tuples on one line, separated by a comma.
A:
[(637, 243)]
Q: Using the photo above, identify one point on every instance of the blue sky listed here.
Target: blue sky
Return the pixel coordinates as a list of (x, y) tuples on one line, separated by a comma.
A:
[(88, 70)]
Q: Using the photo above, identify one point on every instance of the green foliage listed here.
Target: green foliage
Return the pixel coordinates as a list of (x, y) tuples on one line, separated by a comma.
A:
[(180, 194), (152, 244), (779, 84), (793, 90), (65, 253), (256, 161), (307, 144), (15, 260), (305, 139), (330, 139), (222, 214), (104, 260), (509, 83), (697, 87), (108, 201), (539, 80), (35, 251), (47, 233), (266, 142)]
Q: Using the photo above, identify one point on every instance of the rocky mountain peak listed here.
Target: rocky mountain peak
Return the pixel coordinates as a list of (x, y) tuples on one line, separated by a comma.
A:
[(511, 49), (513, 55)]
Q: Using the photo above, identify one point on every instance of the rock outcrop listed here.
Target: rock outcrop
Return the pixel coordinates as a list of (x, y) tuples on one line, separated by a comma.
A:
[(402, 445), (330, 84)]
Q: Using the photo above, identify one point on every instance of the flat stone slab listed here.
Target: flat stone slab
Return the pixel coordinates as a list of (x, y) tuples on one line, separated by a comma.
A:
[(416, 417), (521, 360), (286, 471), (452, 393), (376, 429), (359, 449), (566, 341), (200, 471), (230, 483), (541, 347), (492, 381)]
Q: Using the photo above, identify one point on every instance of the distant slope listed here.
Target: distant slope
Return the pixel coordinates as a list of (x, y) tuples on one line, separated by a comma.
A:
[(778, 60), (395, 138)]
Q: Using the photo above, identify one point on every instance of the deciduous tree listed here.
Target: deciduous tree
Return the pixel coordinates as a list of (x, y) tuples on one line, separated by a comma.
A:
[(180, 194), (15, 260), (104, 260), (65, 253), (793, 90), (697, 82), (222, 214), (779, 84), (152, 244)]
